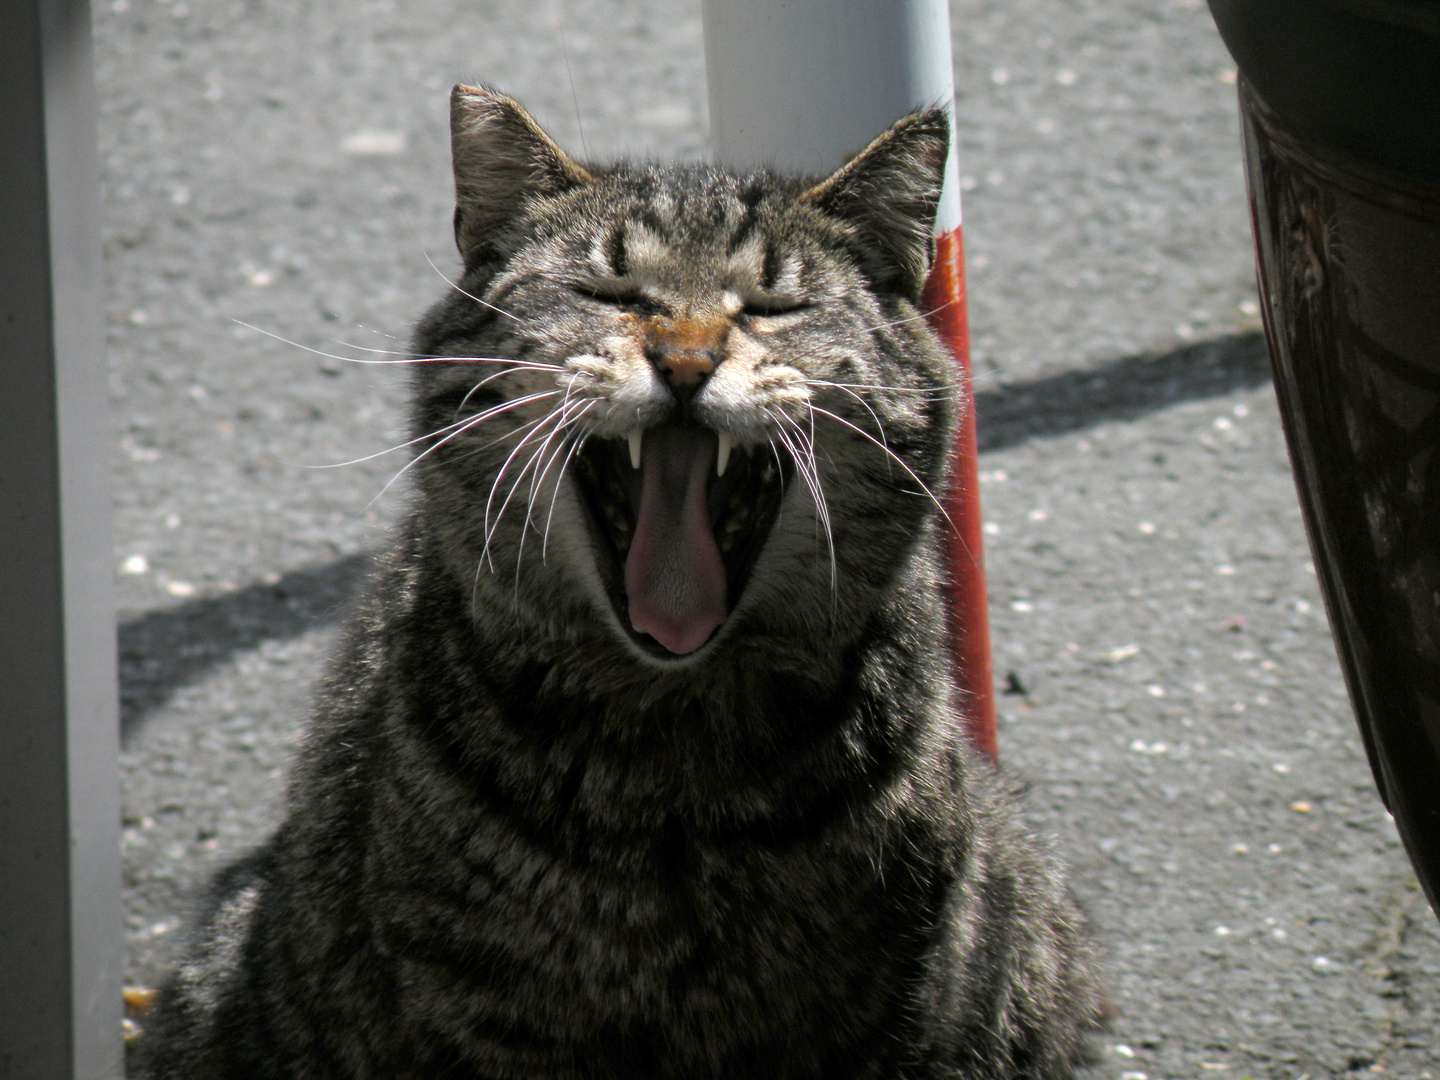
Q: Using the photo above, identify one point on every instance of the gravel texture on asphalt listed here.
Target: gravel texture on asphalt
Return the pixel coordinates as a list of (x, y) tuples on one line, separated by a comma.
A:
[(1169, 689)]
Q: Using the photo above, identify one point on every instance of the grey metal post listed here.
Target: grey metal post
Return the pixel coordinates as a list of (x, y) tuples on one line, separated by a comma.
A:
[(60, 941)]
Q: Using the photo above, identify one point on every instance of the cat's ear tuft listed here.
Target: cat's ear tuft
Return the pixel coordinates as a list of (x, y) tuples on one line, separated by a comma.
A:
[(888, 195), (502, 161)]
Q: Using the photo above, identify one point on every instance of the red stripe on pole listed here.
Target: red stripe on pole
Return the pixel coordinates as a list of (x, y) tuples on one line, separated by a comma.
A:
[(969, 615)]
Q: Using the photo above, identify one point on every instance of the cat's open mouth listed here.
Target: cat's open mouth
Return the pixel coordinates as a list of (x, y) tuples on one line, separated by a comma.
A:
[(678, 523)]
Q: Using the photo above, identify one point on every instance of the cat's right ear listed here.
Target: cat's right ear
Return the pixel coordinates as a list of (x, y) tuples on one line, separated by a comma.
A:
[(502, 161)]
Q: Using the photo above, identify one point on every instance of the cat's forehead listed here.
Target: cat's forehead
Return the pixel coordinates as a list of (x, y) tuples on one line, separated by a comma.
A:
[(694, 224), (689, 198)]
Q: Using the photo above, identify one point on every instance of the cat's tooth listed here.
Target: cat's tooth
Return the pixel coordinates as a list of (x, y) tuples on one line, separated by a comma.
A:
[(722, 456), (633, 437)]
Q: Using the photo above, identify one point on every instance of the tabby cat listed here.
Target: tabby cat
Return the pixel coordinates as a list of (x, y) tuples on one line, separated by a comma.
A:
[(640, 757)]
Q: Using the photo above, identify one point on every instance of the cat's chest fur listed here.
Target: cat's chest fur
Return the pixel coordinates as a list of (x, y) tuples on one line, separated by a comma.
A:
[(518, 845)]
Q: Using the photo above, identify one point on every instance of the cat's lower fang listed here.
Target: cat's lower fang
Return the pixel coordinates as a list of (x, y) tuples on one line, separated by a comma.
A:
[(722, 454), (633, 438)]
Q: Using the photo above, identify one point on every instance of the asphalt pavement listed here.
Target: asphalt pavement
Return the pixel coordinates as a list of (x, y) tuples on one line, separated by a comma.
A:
[(1170, 693)]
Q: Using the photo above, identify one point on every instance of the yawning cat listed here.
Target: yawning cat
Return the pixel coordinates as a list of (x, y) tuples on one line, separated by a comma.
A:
[(641, 756)]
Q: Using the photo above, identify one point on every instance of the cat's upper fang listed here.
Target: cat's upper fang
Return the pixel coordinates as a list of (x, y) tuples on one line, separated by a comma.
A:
[(635, 437)]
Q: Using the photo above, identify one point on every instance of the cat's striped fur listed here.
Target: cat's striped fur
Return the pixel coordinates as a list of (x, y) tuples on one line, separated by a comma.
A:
[(581, 801)]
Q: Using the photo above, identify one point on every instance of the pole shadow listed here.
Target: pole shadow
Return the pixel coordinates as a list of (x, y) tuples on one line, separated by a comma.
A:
[(1124, 389), (162, 651)]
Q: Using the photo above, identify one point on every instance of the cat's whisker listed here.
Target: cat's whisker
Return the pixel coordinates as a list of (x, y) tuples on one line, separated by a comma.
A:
[(422, 438), (809, 455), (574, 97), (576, 443), (377, 333), (565, 418), (460, 427), (922, 391), (408, 358), (506, 406), (537, 431), (379, 352), (534, 467), (893, 456), (537, 482), (490, 529), (399, 446), (810, 475), (815, 469), (531, 430), (509, 361), (910, 318), (865, 404), (829, 536), (511, 433), (297, 345), (462, 292), (486, 381), (387, 450), (779, 465), (564, 411), (803, 454)]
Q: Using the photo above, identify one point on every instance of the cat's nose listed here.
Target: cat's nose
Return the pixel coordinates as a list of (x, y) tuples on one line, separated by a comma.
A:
[(687, 352), (686, 368)]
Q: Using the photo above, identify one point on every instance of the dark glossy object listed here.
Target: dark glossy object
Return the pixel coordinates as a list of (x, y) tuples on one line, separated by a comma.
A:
[(1349, 263), (1361, 76)]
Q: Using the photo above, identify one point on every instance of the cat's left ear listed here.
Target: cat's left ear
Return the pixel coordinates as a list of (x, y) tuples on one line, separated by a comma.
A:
[(889, 194), (502, 160)]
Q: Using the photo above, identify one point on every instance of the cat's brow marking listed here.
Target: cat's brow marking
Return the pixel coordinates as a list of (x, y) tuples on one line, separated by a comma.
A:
[(645, 248), (770, 269), (747, 263), (615, 251)]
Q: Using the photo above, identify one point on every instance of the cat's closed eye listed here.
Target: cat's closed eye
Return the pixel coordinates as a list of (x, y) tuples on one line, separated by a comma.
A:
[(618, 296), (772, 307)]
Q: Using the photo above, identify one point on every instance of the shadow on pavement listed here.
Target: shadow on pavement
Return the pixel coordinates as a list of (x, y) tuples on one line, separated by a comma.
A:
[(1125, 389), (162, 651)]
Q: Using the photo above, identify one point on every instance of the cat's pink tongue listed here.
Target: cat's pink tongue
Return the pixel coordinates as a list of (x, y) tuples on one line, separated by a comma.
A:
[(674, 578)]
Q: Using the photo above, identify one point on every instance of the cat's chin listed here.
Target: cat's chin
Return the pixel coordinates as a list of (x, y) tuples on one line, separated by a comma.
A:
[(675, 541)]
